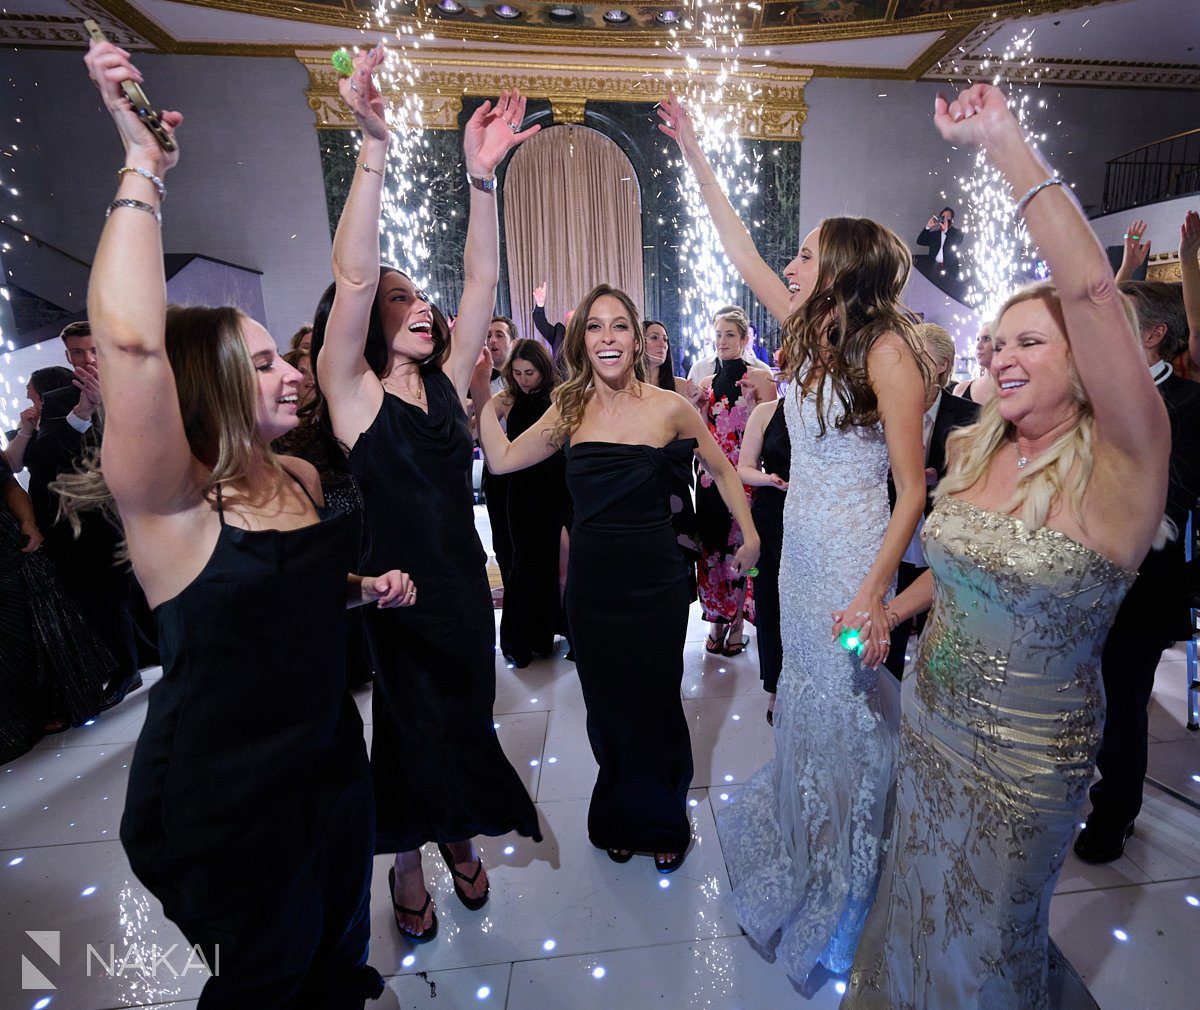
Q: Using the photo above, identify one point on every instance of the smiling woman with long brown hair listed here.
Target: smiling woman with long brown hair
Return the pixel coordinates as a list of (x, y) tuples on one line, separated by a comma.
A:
[(629, 449)]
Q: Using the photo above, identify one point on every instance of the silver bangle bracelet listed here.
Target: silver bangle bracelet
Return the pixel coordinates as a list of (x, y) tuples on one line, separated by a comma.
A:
[(136, 205), (1054, 180)]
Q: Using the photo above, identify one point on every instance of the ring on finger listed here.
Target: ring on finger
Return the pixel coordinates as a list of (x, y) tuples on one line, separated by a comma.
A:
[(515, 127)]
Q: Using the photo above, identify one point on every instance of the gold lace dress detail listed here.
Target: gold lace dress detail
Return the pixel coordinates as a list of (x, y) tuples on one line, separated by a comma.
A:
[(999, 730)]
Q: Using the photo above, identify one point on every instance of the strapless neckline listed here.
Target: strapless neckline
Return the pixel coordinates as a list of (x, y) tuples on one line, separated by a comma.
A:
[(1019, 525), (629, 445)]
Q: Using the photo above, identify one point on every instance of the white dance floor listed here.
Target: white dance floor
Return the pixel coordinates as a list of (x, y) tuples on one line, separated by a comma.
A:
[(566, 928)]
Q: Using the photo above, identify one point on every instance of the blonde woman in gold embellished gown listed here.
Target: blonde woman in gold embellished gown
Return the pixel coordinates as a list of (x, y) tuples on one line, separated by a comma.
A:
[(1049, 505)]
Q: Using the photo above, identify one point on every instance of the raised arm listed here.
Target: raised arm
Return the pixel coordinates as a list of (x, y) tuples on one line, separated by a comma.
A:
[(532, 446), (749, 468), (766, 283), (1136, 251), (487, 138), (148, 464), (1189, 269), (1130, 416), (350, 387), (14, 452)]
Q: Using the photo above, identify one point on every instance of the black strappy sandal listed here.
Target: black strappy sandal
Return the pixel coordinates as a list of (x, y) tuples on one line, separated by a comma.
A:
[(474, 904), (399, 910), (719, 643), (620, 855), (732, 649), (672, 864)]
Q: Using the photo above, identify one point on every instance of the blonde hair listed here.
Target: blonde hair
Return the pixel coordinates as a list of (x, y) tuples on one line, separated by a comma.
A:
[(1062, 472), (572, 394), (862, 270), (940, 340), (736, 315), (218, 402)]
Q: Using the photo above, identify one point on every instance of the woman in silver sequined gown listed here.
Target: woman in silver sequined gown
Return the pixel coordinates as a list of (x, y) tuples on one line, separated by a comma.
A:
[(1001, 722)]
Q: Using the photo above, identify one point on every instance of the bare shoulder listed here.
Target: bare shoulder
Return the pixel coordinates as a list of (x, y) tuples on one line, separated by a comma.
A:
[(889, 348), (304, 472), (762, 414)]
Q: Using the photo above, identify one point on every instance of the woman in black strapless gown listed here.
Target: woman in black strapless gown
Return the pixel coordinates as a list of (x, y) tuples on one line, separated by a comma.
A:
[(628, 581), (248, 812), (538, 509), (764, 465), (394, 388)]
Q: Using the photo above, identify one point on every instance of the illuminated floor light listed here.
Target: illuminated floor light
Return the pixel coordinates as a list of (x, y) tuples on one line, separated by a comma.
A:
[(737, 718), (16, 860), (533, 701), (664, 883), (1192, 900), (724, 796), (840, 987), (549, 945), (693, 803), (1121, 935), (509, 850), (483, 992), (728, 778), (408, 961), (42, 1003), (552, 761), (720, 669), (87, 892), (534, 763), (598, 971)]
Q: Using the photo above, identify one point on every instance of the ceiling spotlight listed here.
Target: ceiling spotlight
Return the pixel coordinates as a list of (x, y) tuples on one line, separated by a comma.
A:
[(450, 7), (616, 17), (507, 12), (666, 17), (561, 14)]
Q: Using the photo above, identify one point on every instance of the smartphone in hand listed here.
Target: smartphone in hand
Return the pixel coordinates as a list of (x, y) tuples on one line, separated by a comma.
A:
[(137, 98)]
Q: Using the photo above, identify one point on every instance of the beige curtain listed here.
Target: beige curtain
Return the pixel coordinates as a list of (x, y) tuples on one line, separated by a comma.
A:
[(572, 218)]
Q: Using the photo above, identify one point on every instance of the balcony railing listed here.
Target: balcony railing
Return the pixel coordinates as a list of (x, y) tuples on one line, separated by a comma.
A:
[(1167, 168)]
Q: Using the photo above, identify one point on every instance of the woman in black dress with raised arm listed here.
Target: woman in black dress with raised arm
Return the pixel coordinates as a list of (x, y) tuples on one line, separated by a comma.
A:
[(248, 812), (629, 449), (538, 508), (764, 465), (394, 388)]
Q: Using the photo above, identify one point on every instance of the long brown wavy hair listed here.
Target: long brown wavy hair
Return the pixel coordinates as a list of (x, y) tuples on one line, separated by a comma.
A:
[(572, 394), (862, 270), (218, 401)]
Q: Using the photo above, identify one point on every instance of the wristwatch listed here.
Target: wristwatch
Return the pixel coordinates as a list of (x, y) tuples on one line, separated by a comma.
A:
[(480, 183)]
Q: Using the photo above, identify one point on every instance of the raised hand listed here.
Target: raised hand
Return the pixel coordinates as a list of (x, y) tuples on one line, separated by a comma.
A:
[(87, 381), (539, 295), (697, 396), (492, 132), (108, 65), (361, 95), (677, 124), (749, 391), (978, 116), (29, 420), (933, 224), (1136, 250), (1189, 236)]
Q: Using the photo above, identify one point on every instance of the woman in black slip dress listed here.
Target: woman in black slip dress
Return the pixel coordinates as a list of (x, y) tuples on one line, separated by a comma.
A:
[(538, 508), (629, 448), (394, 389), (764, 464), (249, 808)]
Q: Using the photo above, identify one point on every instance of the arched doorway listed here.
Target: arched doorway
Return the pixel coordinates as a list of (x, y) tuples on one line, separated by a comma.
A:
[(572, 218)]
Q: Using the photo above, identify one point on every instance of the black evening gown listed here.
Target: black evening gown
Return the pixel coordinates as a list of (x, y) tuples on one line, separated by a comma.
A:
[(440, 774), (52, 667), (628, 591), (249, 811), (538, 509), (767, 510)]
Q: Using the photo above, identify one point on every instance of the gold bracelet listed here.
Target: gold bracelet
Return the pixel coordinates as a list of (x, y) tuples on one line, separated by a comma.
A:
[(372, 171)]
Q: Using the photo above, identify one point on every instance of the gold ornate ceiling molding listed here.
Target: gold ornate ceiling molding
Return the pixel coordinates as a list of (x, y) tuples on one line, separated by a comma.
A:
[(778, 112), (56, 31), (1165, 267)]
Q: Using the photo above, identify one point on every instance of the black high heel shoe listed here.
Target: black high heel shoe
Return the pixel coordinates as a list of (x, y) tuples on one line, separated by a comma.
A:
[(474, 904), (398, 910)]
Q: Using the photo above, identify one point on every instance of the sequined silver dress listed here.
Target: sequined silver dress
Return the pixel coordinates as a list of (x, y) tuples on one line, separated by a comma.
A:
[(999, 733), (803, 837)]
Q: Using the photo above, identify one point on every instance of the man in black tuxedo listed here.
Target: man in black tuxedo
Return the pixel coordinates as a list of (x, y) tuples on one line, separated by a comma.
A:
[(943, 413), (941, 240), (1155, 611), (70, 427)]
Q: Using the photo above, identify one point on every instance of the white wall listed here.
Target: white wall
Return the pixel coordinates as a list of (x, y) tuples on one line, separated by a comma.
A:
[(1162, 223), (248, 189)]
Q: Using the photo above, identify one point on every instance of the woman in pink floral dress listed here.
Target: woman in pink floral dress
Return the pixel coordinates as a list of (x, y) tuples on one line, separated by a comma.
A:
[(726, 399)]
